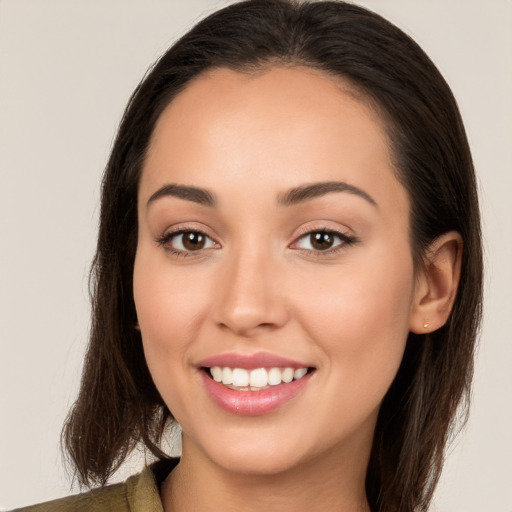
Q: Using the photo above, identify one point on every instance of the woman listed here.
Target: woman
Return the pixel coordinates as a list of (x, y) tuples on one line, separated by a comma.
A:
[(288, 264)]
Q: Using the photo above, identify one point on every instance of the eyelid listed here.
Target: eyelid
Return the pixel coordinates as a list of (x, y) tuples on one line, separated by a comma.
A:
[(169, 233), (323, 226), (186, 227), (346, 239)]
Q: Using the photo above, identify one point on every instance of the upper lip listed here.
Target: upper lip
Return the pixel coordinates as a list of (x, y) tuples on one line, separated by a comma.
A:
[(251, 361)]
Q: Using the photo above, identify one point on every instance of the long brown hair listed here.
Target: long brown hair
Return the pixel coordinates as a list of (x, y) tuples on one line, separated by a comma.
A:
[(119, 407)]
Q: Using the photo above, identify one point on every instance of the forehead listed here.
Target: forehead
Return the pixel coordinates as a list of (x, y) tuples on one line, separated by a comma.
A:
[(272, 128)]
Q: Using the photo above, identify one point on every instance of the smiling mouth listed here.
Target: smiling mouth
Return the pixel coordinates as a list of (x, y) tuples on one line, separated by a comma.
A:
[(257, 379)]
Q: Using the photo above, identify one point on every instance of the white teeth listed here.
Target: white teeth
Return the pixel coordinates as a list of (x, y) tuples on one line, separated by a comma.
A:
[(287, 375), (240, 377), (259, 378), (299, 373), (274, 376), (216, 372), (227, 376)]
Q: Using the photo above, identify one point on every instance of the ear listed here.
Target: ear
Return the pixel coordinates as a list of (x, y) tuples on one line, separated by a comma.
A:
[(436, 284)]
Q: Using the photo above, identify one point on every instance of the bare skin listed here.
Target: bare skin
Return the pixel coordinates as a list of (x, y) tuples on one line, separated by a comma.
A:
[(258, 282)]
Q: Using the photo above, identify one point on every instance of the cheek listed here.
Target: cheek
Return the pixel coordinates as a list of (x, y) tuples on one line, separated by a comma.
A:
[(360, 321), (168, 306), (168, 299)]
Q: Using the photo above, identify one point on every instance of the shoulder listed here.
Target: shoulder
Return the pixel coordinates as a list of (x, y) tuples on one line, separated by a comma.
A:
[(140, 493), (112, 497)]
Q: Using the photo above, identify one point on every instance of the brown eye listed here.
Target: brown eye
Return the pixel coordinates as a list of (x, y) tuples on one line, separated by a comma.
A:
[(184, 242), (321, 240), (193, 241)]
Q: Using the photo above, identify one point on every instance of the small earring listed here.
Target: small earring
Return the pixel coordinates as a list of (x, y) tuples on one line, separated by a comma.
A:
[(425, 325)]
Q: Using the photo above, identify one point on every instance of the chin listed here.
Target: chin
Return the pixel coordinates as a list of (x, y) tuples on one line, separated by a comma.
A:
[(257, 454), (257, 463)]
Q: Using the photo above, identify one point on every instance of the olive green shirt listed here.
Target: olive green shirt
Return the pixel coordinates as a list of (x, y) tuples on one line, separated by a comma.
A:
[(139, 493)]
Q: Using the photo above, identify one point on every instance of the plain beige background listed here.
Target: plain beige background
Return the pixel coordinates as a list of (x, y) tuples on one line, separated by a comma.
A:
[(67, 69)]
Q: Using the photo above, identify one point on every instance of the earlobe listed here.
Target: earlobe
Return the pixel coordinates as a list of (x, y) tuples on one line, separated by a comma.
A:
[(437, 283)]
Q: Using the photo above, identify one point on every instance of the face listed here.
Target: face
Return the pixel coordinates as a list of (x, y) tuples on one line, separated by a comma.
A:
[(273, 245)]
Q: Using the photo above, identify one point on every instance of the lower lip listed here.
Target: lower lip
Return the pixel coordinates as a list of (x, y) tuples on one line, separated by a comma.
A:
[(253, 403)]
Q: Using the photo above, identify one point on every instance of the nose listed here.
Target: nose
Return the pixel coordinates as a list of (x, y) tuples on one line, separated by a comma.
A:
[(251, 297)]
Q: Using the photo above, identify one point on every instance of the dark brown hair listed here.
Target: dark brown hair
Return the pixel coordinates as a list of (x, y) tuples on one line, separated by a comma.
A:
[(119, 407)]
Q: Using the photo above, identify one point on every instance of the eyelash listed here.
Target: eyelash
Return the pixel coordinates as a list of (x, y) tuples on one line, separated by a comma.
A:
[(346, 240), (167, 237)]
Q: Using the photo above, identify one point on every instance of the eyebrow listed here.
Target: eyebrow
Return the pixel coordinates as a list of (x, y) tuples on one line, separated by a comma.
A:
[(307, 192), (292, 197), (189, 193)]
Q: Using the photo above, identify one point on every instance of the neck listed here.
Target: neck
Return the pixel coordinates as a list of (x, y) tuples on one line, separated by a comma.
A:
[(335, 481)]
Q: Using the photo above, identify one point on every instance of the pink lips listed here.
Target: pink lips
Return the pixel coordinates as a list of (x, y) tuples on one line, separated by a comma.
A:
[(249, 362), (252, 403)]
